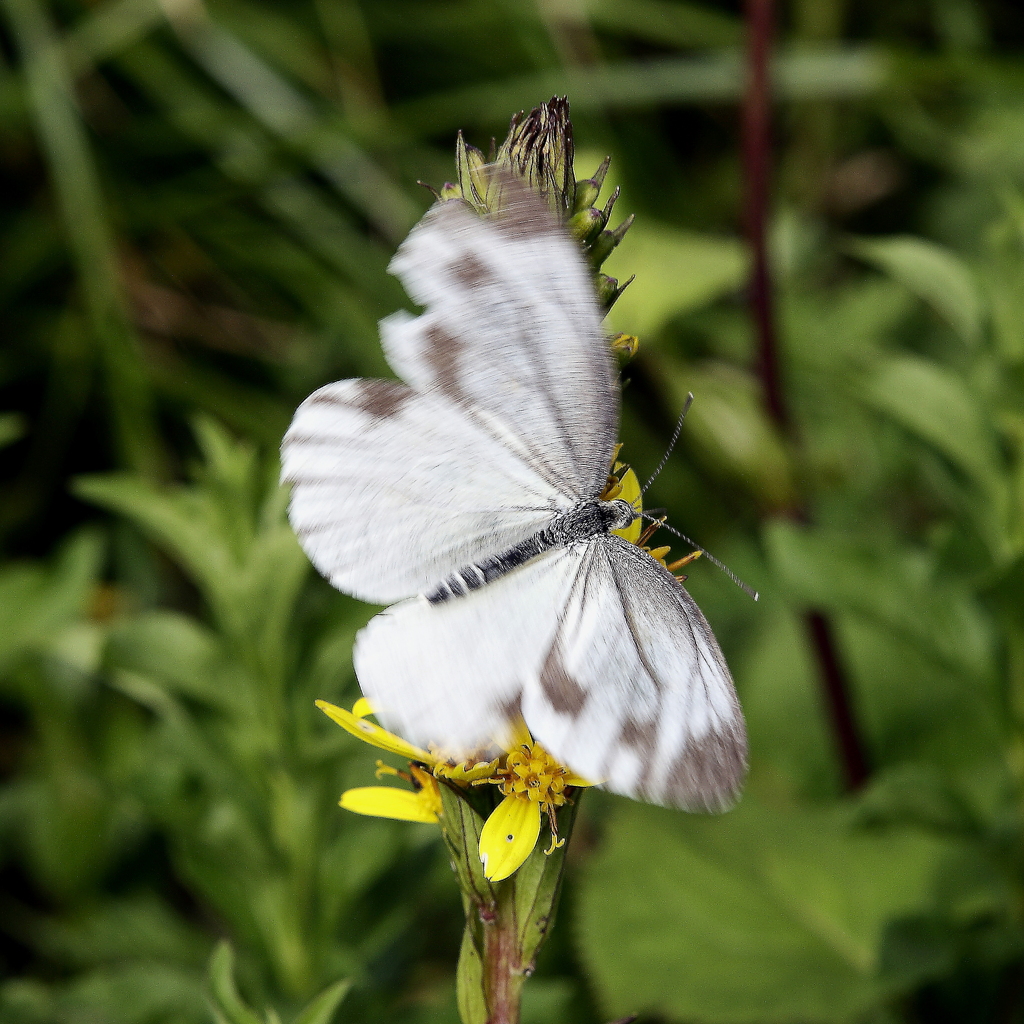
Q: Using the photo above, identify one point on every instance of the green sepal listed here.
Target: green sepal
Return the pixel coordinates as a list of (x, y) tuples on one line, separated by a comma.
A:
[(469, 979), (537, 886), (588, 189), (521, 908), (606, 241), (471, 164), (461, 824), (585, 225), (609, 289), (587, 192)]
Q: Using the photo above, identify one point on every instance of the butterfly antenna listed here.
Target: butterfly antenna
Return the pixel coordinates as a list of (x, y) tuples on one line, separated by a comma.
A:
[(745, 587), (671, 444)]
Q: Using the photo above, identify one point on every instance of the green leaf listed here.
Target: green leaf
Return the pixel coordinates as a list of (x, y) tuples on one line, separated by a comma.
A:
[(178, 651), (132, 992), (469, 980), (936, 405), (75, 176), (681, 25), (140, 928), (895, 586), (715, 76), (35, 602), (227, 1004), (320, 1010), (758, 916), (676, 273), (730, 430), (538, 884), (934, 274), (229, 532)]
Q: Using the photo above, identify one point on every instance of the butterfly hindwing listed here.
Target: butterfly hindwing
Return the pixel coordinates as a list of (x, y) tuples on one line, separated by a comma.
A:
[(451, 673), (634, 690)]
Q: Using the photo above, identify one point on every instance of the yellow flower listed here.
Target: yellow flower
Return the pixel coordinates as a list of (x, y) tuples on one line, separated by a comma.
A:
[(532, 784)]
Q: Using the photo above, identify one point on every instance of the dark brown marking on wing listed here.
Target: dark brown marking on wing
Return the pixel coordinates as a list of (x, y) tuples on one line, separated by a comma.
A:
[(641, 736), (709, 772), (567, 697), (471, 272), (381, 398), (443, 356)]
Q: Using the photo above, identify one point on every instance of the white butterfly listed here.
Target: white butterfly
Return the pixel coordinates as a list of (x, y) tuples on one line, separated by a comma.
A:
[(471, 491)]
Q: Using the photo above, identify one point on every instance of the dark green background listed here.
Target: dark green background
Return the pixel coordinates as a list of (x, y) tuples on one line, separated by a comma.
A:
[(200, 203)]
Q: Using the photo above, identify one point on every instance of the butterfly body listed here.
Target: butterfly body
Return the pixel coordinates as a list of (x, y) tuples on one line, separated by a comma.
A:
[(578, 524), (467, 497)]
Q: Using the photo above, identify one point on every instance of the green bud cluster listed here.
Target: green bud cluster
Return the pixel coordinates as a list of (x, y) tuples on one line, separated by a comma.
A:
[(539, 150)]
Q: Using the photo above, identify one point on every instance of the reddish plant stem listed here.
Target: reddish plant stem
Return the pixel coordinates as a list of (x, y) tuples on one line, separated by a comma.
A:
[(503, 972), (844, 725), (756, 149)]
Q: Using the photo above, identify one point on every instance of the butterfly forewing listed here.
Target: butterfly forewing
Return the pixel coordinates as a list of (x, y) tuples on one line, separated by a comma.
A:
[(393, 490), (510, 416), (511, 327)]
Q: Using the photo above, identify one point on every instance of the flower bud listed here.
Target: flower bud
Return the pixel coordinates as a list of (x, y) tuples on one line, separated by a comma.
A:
[(539, 149)]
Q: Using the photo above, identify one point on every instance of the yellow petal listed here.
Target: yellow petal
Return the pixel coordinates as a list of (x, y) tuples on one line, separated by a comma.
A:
[(509, 836), (466, 772), (516, 736), (386, 802), (362, 708), (631, 493), (373, 734), (576, 780)]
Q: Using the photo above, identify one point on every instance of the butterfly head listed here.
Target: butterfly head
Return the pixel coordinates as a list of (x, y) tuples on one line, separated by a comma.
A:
[(618, 514)]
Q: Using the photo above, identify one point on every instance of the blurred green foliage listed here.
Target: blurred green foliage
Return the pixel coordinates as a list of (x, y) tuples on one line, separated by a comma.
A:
[(200, 203)]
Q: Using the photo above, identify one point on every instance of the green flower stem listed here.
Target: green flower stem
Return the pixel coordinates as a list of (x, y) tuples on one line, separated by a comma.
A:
[(506, 922)]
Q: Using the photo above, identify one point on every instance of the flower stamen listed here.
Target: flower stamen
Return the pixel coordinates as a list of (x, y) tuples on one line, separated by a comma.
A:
[(649, 531)]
